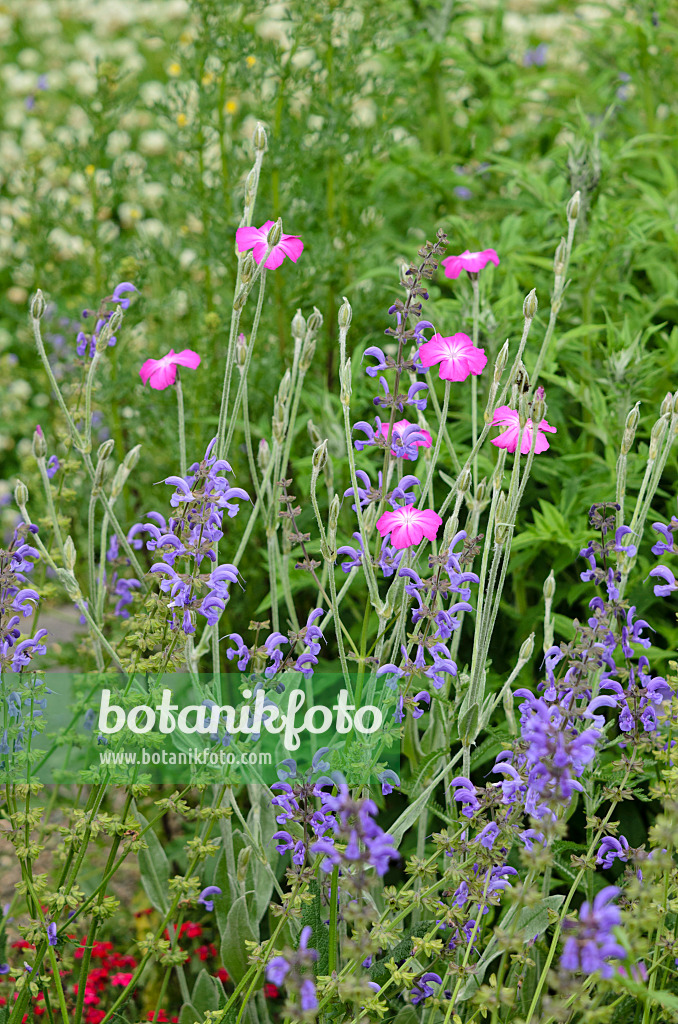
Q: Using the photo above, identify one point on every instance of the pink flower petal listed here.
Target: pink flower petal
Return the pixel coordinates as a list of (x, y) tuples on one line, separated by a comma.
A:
[(292, 247), (187, 357), (163, 376), (246, 238), (275, 259)]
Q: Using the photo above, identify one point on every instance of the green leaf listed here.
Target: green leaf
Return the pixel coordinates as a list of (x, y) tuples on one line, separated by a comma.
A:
[(314, 915), (238, 929), (207, 993), (154, 869), (189, 1015)]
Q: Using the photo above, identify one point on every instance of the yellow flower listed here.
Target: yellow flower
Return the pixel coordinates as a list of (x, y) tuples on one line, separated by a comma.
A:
[(89, 170), (207, 78), (250, 61), (182, 120), (230, 106), (174, 69)]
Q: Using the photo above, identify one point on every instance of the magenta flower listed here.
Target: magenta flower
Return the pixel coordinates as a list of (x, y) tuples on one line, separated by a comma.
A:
[(503, 416), (256, 239), (457, 355), (418, 437), (163, 372), (408, 525), (473, 262)]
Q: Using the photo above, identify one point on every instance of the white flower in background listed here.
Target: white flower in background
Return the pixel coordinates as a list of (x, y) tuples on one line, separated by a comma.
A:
[(153, 143)]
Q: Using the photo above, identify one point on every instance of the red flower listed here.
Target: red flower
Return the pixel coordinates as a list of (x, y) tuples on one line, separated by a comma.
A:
[(94, 1016), (22, 944), (205, 952), (271, 991), (223, 975), (121, 979), (192, 929), (100, 950)]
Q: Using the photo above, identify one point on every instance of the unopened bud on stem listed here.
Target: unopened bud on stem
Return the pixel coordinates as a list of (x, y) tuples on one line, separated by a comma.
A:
[(263, 455), (21, 494), (501, 361), (259, 140), (39, 443), (70, 554), (630, 428), (298, 326), (573, 206), (527, 648), (345, 314), (37, 305), (275, 234), (530, 305)]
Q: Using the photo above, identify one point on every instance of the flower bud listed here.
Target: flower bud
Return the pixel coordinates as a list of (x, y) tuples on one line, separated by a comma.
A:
[(21, 494), (549, 587), (247, 269), (70, 554), (667, 404), (501, 361), (345, 314), (464, 481), (481, 490), (240, 299), (538, 410), (319, 457), (370, 518), (132, 457), (523, 411), (530, 305), (675, 404), (508, 701), (115, 321), (497, 477), (573, 206), (105, 450), (333, 520), (259, 138), (275, 233), (346, 386), (39, 443), (241, 351), (315, 321), (527, 648), (263, 455), (298, 326), (657, 433), (631, 426), (307, 353), (37, 305), (285, 386), (250, 187)]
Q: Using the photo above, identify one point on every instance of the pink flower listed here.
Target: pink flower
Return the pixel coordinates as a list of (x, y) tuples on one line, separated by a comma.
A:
[(163, 372), (457, 355), (503, 416), (420, 439), (256, 239), (473, 262), (407, 525)]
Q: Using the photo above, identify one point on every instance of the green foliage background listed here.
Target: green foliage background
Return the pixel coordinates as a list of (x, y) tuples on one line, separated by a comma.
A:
[(386, 121)]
